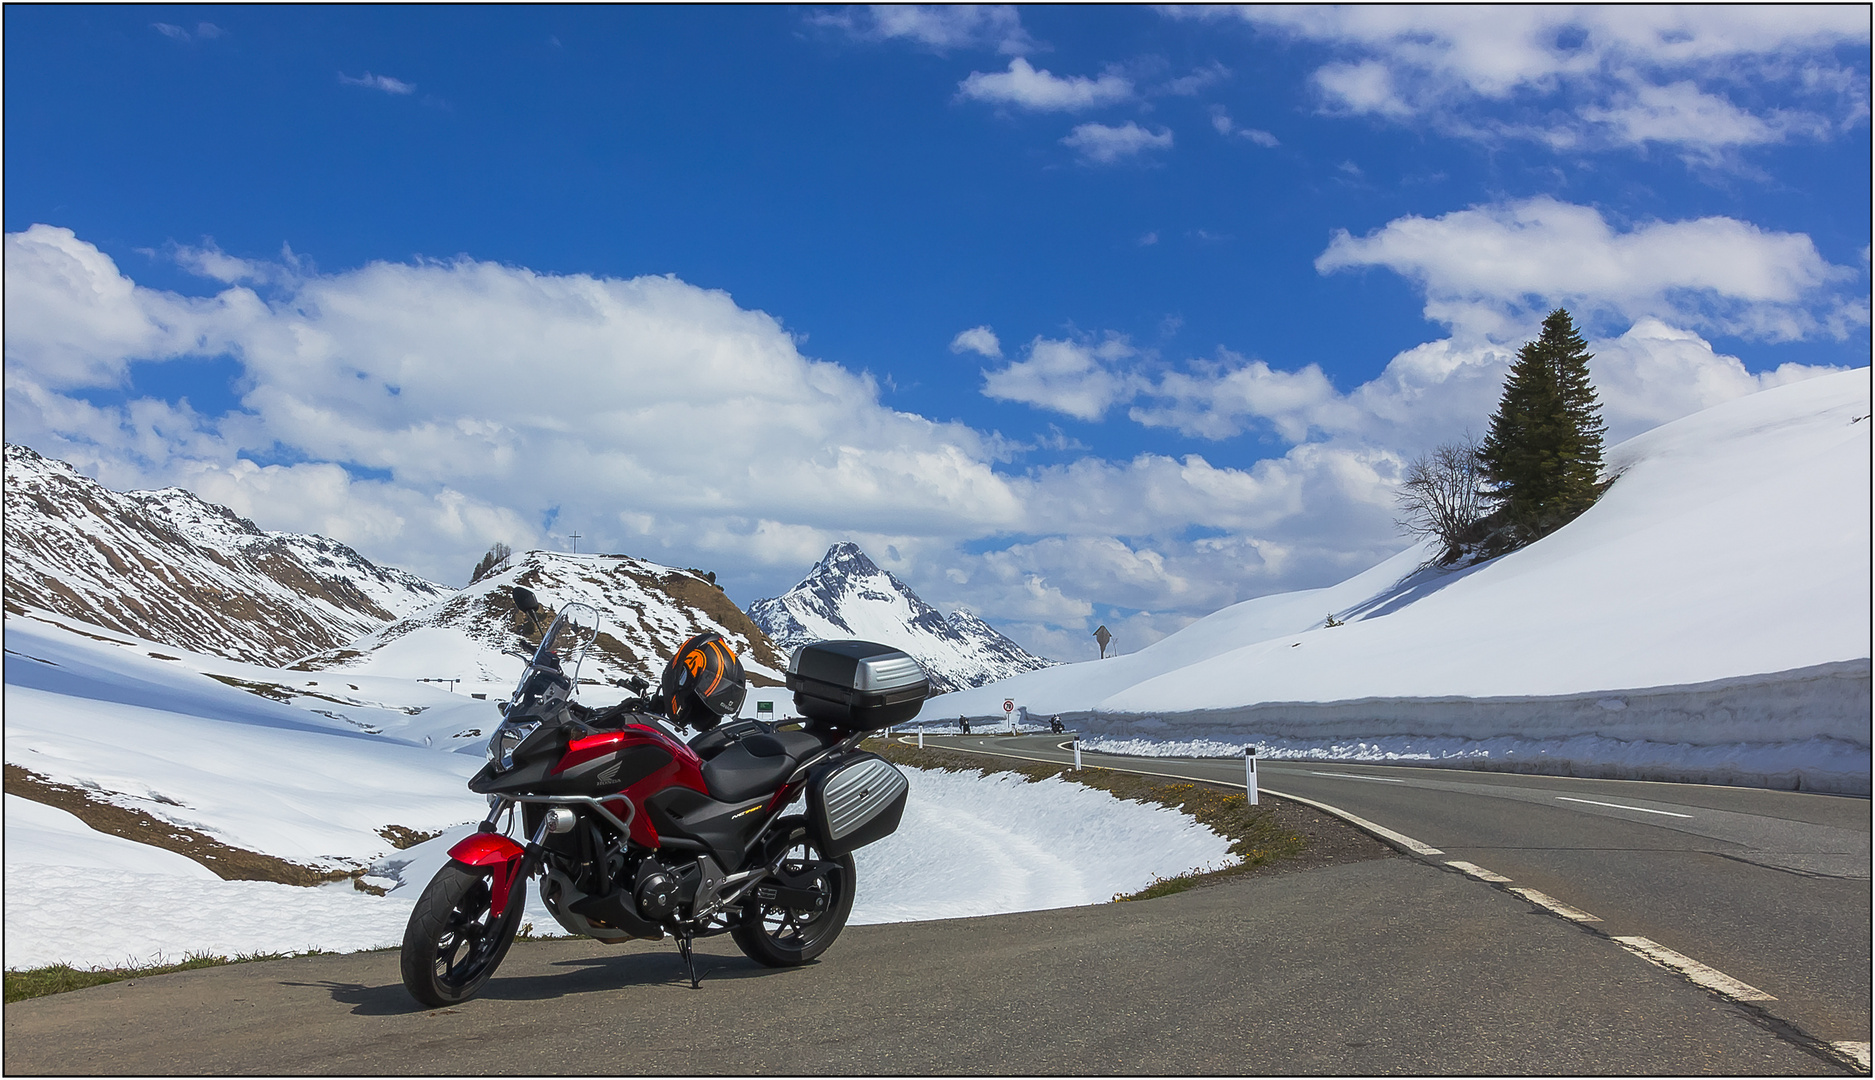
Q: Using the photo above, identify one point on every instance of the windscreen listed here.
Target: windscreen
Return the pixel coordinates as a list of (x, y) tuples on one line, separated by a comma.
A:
[(564, 646)]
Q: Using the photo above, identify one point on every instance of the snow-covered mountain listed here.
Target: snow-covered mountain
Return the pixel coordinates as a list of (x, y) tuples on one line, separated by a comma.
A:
[(846, 595), (647, 610), (167, 566), (1715, 603)]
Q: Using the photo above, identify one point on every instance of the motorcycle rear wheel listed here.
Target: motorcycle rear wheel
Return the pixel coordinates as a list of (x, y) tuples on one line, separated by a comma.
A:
[(779, 936), (452, 944)]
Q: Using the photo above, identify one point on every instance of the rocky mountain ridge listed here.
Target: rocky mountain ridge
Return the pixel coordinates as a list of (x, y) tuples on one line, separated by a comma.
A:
[(646, 610), (169, 566)]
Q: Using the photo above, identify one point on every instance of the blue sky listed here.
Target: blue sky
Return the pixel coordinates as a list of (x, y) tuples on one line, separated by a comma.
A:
[(1067, 315)]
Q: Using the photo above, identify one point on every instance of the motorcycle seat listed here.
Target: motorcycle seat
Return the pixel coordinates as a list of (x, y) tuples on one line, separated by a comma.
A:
[(756, 764)]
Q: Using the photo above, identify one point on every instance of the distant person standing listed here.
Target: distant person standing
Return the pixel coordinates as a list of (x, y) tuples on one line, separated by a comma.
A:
[(963, 724)]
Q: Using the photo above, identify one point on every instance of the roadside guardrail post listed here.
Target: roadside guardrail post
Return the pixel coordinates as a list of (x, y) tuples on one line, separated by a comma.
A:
[(1077, 751), (1250, 774)]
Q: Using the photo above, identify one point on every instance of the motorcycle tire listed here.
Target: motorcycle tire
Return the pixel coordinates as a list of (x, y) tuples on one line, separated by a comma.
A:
[(779, 936), (451, 945)]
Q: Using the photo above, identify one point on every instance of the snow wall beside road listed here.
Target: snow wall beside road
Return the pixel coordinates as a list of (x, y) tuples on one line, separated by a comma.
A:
[(1806, 729)]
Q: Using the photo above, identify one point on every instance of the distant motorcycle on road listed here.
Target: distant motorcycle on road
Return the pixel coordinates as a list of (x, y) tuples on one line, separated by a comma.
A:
[(635, 834)]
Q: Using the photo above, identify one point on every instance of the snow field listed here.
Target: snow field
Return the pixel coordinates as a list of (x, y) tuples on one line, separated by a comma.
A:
[(969, 845), (308, 780), (976, 844)]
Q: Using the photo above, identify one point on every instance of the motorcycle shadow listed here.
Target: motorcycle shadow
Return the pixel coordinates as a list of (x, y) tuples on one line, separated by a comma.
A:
[(573, 976)]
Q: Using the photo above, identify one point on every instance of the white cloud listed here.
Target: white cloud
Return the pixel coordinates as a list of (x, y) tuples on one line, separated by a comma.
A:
[(513, 390), (1219, 400), (73, 320), (206, 31), (211, 262), (1366, 87), (1220, 119), (1105, 144), (1485, 269), (939, 27), (1616, 75), (1683, 113), (1069, 377), (1198, 80), (980, 340), (1654, 373), (421, 411), (379, 82), (1027, 87)]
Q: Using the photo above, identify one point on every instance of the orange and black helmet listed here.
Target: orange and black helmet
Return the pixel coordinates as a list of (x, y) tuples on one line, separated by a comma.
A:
[(703, 683)]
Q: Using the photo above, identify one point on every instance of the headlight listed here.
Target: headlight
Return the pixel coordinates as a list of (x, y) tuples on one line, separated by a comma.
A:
[(507, 737)]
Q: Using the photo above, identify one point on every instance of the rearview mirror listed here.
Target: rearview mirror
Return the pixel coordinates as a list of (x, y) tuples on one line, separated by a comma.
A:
[(524, 600)]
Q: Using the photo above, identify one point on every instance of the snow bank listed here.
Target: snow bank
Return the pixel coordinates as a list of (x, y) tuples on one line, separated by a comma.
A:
[(1719, 592), (968, 845)]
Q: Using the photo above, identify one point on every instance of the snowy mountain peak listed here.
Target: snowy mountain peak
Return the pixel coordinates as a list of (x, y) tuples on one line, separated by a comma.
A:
[(168, 566), (847, 595)]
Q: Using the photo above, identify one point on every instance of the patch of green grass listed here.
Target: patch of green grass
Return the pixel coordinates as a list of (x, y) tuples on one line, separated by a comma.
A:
[(61, 978), (1255, 835)]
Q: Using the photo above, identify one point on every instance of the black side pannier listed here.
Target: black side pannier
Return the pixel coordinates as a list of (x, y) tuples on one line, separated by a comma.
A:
[(856, 685), (853, 802)]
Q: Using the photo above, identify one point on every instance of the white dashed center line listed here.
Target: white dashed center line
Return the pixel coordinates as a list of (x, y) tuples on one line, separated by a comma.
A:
[(1357, 776), (1618, 806), (1545, 900), (1476, 871), (1710, 978), (1854, 1051)]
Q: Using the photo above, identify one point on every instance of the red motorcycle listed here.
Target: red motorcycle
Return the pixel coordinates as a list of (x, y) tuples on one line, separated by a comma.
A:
[(635, 834)]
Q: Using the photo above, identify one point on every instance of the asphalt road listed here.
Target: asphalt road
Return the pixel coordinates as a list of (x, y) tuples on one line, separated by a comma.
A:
[(1770, 888), (1389, 965), (1395, 964)]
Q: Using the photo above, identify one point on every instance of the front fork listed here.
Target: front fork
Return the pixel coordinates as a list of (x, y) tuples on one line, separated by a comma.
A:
[(509, 862)]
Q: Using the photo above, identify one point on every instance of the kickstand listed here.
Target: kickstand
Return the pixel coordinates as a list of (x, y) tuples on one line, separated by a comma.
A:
[(690, 963)]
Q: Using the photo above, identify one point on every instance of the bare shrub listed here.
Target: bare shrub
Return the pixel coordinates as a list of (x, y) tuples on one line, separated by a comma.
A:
[(1442, 496)]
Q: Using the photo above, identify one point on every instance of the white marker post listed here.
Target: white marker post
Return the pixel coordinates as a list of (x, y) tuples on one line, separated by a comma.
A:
[(1077, 752), (921, 736), (1250, 774)]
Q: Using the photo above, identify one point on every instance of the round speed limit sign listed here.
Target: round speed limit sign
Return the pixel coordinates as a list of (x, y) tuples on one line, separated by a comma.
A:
[(1009, 705)]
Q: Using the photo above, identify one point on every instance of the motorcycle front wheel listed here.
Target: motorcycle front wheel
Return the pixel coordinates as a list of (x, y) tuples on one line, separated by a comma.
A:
[(776, 935), (452, 944)]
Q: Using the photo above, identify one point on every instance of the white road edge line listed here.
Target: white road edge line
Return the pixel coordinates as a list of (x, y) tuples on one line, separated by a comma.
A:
[(1415, 846), (1711, 978), (1475, 870), (1618, 806), (1854, 1051), (1407, 842), (1357, 776), (1545, 900)]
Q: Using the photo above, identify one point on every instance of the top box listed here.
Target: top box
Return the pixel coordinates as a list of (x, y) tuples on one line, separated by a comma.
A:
[(856, 685)]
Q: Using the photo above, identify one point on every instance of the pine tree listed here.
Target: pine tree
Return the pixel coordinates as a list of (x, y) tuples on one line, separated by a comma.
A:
[(1543, 454)]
